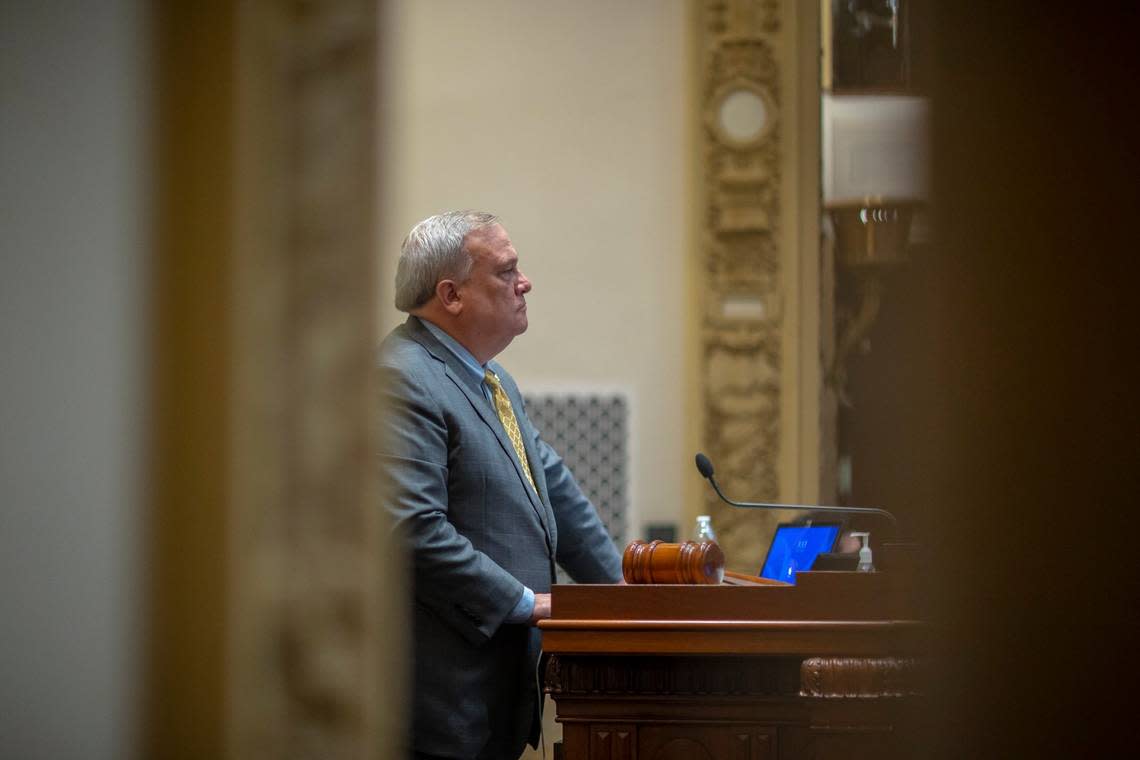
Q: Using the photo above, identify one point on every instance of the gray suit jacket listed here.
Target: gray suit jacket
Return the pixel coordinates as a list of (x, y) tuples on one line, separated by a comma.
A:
[(477, 533)]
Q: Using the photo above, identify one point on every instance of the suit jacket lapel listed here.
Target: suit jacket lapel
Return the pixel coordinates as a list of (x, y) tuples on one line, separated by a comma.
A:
[(474, 393)]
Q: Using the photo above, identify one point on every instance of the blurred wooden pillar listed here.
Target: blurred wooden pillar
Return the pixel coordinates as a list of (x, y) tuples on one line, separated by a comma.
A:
[(184, 706), (270, 563), (1025, 410)]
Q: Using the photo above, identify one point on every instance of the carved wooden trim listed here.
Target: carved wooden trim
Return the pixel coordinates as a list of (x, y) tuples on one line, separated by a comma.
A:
[(820, 677), (672, 676), (612, 741), (845, 677), (741, 319)]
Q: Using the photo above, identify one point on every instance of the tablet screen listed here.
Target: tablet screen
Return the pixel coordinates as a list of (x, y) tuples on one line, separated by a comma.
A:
[(795, 547)]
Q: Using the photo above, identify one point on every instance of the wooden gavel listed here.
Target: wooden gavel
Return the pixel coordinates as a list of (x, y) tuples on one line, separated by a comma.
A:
[(687, 562)]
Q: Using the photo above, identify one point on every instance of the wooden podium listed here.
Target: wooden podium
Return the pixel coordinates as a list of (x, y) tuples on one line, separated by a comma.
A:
[(828, 668)]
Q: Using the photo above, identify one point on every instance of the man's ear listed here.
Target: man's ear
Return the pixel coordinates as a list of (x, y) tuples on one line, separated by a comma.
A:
[(448, 294)]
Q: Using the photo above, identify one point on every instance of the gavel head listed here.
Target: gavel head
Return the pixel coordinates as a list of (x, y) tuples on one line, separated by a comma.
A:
[(687, 563)]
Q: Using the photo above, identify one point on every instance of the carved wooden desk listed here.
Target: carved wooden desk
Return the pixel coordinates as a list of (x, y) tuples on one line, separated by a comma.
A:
[(826, 668)]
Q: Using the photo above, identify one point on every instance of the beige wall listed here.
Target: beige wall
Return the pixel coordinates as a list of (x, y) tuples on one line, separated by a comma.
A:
[(570, 121)]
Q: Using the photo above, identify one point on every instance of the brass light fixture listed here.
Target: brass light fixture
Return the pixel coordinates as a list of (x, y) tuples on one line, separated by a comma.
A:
[(871, 237)]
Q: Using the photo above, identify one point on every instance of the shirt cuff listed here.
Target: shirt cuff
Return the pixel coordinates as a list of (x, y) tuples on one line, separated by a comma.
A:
[(524, 609)]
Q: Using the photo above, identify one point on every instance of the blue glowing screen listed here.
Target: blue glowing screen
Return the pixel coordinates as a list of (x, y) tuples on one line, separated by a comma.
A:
[(795, 547)]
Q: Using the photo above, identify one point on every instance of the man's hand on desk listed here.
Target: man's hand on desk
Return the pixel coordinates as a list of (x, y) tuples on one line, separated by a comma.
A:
[(541, 608)]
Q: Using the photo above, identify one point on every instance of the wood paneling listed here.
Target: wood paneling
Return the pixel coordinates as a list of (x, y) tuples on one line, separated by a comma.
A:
[(736, 671)]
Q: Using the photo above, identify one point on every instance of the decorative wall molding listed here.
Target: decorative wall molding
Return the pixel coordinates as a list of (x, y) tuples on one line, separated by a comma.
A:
[(742, 310)]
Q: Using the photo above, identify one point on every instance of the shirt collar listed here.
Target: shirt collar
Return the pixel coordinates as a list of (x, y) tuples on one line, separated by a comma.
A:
[(465, 358)]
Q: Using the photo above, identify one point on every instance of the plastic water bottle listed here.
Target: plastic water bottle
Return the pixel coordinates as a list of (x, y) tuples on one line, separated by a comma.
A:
[(705, 529)]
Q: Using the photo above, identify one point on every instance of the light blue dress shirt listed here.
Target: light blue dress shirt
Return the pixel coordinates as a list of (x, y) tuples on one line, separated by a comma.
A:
[(525, 606)]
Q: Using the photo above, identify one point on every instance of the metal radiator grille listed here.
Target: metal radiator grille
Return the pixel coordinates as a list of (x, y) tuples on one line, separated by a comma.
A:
[(591, 432)]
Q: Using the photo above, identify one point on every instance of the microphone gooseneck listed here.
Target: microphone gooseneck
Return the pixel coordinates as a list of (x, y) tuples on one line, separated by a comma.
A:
[(705, 468)]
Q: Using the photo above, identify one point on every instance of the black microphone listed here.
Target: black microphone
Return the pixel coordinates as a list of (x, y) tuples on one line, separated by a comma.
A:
[(704, 466)]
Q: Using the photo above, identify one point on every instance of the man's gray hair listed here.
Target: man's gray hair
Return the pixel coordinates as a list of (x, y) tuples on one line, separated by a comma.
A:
[(433, 251)]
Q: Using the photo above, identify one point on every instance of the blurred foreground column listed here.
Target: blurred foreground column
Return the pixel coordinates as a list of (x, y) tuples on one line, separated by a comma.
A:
[(271, 577), (1027, 414)]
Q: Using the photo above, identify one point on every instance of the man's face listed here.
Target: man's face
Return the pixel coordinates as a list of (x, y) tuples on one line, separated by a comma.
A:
[(493, 297)]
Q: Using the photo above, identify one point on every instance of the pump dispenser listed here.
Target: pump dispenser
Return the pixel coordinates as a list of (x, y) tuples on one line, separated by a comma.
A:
[(865, 563)]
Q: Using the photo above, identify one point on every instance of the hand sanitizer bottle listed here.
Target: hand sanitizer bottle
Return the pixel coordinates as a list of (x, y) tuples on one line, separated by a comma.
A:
[(865, 563), (704, 529)]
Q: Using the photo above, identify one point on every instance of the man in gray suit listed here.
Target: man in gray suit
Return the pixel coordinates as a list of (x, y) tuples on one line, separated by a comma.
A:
[(485, 506)]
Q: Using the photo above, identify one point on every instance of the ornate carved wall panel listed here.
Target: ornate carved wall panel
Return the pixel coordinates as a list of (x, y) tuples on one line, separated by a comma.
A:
[(742, 310)]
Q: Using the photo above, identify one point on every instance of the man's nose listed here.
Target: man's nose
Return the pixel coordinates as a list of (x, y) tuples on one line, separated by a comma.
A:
[(524, 285)]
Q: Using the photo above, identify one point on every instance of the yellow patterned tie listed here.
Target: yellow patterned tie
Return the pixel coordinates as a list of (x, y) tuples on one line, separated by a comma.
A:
[(510, 424)]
